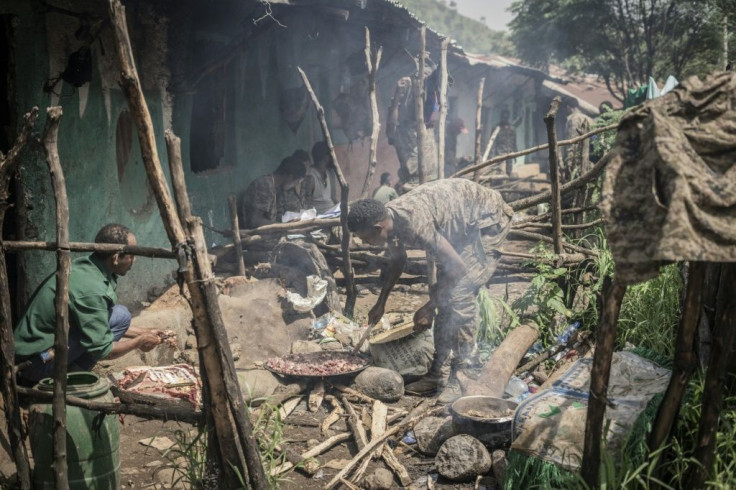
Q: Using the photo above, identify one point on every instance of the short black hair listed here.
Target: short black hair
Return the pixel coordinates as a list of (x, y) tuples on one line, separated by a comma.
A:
[(112, 233), (385, 176), (301, 155), (320, 152), (292, 167), (365, 213)]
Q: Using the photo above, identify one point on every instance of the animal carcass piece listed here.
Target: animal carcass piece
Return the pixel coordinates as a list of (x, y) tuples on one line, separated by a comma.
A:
[(178, 382), (317, 364)]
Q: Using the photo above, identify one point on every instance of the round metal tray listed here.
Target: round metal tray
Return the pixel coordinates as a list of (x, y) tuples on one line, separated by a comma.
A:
[(319, 357)]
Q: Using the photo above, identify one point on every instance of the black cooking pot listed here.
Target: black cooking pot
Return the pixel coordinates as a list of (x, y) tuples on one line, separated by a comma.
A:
[(486, 418)]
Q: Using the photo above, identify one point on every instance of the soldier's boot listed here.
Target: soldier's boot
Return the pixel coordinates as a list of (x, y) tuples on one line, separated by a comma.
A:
[(435, 379), (452, 390)]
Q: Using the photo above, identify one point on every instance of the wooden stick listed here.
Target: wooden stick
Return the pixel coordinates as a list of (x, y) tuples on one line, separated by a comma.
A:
[(724, 335), (418, 84), (316, 396), (425, 411), (379, 417), (160, 411), (579, 226), (355, 424), (222, 358), (303, 225), (508, 156), (685, 361), (606, 335), (546, 216), (237, 451), (491, 140), (352, 392), (8, 164), (567, 187), (554, 173), (479, 127), (334, 415), (315, 451), (350, 291), (375, 123), (443, 109), (154, 252), (581, 336), (543, 238), (236, 234), (61, 300)]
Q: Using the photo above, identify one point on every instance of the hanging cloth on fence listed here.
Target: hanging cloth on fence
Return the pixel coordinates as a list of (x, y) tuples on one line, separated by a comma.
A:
[(669, 193)]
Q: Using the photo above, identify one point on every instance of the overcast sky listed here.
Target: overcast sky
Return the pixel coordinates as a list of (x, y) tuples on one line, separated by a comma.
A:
[(493, 10)]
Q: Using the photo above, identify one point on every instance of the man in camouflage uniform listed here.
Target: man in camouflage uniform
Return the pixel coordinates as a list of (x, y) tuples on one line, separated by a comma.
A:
[(401, 130), (456, 220), (266, 198), (506, 139)]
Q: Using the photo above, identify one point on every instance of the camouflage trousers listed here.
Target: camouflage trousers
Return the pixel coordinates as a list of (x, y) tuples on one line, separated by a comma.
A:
[(455, 324)]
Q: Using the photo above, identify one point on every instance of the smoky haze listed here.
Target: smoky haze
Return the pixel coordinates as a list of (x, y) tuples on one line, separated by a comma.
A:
[(494, 11)]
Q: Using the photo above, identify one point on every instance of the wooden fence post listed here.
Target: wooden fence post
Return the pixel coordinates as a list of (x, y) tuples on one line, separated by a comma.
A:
[(8, 164), (554, 174), (351, 293), (61, 301), (479, 127), (418, 84), (443, 110), (375, 123)]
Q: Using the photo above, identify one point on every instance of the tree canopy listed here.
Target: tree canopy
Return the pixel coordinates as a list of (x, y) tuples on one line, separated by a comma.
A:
[(623, 41)]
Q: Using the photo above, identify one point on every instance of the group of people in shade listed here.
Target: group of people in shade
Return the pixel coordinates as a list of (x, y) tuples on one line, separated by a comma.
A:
[(460, 223)]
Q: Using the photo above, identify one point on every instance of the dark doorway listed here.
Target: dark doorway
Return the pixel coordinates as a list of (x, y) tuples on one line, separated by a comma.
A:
[(8, 132)]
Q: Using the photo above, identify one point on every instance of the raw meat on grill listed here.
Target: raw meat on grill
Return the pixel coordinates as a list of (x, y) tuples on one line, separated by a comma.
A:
[(180, 381), (317, 364)]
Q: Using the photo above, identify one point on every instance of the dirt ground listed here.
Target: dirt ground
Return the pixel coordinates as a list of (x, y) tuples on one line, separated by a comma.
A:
[(143, 467)]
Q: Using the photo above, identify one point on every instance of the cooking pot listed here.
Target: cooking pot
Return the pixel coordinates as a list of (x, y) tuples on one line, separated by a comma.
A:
[(486, 418)]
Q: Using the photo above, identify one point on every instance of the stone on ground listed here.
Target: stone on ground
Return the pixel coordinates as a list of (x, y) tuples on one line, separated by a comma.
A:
[(257, 384), (500, 466), (381, 479), (431, 433), (380, 383), (462, 458)]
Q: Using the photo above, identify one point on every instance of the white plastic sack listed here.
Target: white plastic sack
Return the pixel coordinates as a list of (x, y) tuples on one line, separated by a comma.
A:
[(316, 292)]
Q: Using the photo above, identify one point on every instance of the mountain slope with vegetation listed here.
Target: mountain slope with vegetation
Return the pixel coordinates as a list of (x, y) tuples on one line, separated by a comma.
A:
[(473, 35)]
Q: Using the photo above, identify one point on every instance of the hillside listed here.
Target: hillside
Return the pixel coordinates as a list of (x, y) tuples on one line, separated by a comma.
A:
[(471, 34)]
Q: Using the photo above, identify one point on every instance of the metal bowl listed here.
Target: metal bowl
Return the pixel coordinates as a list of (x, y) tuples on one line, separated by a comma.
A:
[(486, 418)]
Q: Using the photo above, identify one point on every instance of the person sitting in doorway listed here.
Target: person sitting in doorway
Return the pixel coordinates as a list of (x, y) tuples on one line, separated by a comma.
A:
[(319, 189), (386, 191), (99, 328), (264, 198)]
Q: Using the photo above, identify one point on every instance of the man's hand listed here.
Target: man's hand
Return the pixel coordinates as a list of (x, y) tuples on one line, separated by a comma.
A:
[(424, 317), (148, 341), (376, 313)]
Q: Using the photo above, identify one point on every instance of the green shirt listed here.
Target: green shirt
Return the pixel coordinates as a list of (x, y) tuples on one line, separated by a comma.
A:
[(91, 297), (385, 194)]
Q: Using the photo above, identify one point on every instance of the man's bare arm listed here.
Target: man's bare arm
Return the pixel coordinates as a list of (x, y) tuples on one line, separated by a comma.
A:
[(395, 268)]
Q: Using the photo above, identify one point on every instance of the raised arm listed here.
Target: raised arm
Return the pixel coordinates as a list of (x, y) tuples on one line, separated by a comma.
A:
[(395, 268)]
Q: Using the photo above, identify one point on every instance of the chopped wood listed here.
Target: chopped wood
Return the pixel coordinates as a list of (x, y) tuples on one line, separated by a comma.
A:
[(349, 485), (313, 452), (399, 469), (289, 406), (426, 409), (354, 393), (498, 370), (334, 415), (355, 424), (316, 396), (379, 423)]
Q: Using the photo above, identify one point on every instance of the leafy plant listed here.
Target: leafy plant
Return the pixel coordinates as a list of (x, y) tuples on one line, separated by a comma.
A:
[(492, 315), (187, 460)]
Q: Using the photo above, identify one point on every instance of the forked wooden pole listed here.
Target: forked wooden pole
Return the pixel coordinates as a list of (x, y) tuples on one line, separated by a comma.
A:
[(685, 361), (599, 375), (236, 234), (351, 293), (239, 455), (443, 109), (372, 65), (8, 164), (61, 300), (479, 127), (554, 175), (418, 84), (724, 335)]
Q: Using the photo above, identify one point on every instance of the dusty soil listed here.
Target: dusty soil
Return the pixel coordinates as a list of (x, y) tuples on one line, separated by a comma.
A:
[(144, 467)]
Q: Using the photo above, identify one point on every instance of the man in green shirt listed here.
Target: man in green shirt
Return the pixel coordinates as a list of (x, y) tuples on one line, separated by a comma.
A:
[(98, 327), (386, 192)]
